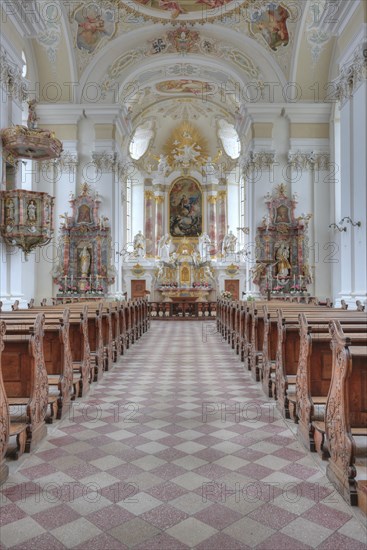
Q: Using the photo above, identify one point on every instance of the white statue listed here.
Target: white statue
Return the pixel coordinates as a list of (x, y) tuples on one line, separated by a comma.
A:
[(208, 273), (160, 272), (164, 246), (186, 153), (229, 244), (84, 261), (32, 211), (282, 257), (139, 244), (162, 163), (204, 243)]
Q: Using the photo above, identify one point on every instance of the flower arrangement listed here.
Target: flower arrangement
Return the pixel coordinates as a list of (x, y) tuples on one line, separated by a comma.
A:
[(227, 295), (278, 288)]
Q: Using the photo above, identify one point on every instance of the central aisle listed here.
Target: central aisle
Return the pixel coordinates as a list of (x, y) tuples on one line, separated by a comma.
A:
[(176, 448)]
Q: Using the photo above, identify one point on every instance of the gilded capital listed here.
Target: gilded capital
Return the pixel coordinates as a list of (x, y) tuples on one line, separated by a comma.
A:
[(149, 195)]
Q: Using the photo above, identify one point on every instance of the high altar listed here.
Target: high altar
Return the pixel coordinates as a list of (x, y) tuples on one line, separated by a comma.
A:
[(186, 252)]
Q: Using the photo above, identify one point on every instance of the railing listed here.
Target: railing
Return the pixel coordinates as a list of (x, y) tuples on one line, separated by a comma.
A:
[(182, 310)]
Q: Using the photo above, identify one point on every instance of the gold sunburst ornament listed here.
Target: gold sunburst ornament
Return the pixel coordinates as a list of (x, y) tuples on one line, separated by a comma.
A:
[(186, 147)]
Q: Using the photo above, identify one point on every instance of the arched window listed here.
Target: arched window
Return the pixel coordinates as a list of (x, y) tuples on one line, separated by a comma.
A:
[(141, 140), (229, 138), (25, 66)]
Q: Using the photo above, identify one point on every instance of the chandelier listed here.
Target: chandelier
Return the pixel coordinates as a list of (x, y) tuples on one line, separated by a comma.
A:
[(26, 218)]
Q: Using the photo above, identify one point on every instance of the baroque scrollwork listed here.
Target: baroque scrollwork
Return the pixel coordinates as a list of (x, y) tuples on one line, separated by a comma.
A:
[(67, 162), (304, 405), (258, 160), (307, 161), (336, 416), (38, 405), (351, 76), (172, 42), (11, 79), (109, 162)]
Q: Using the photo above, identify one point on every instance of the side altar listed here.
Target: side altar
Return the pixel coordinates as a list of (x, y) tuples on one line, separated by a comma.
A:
[(85, 265), (282, 248)]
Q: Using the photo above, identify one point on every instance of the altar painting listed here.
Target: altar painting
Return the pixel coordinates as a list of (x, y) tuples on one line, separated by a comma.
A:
[(185, 204)]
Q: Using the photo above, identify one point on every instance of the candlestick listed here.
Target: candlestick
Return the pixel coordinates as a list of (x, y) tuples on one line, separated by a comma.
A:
[(294, 280)]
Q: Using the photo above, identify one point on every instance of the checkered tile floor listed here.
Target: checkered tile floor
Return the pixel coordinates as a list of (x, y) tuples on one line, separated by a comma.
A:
[(176, 448)]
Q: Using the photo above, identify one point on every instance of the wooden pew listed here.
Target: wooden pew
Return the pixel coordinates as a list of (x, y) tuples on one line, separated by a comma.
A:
[(57, 355), (288, 349), (78, 339), (25, 381), (115, 329), (346, 415), (314, 376), (94, 316), (4, 415), (264, 329)]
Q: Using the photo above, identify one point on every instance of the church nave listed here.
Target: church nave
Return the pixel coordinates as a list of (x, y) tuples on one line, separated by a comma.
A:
[(176, 447)]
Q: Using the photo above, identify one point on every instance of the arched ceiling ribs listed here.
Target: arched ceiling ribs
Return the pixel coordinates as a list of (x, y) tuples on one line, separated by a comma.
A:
[(248, 60)]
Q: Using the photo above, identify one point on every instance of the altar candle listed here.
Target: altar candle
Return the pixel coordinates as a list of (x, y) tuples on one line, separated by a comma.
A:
[(71, 280), (294, 280), (66, 280)]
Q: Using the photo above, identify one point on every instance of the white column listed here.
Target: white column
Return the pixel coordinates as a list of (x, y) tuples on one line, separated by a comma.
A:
[(346, 145), (359, 195)]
